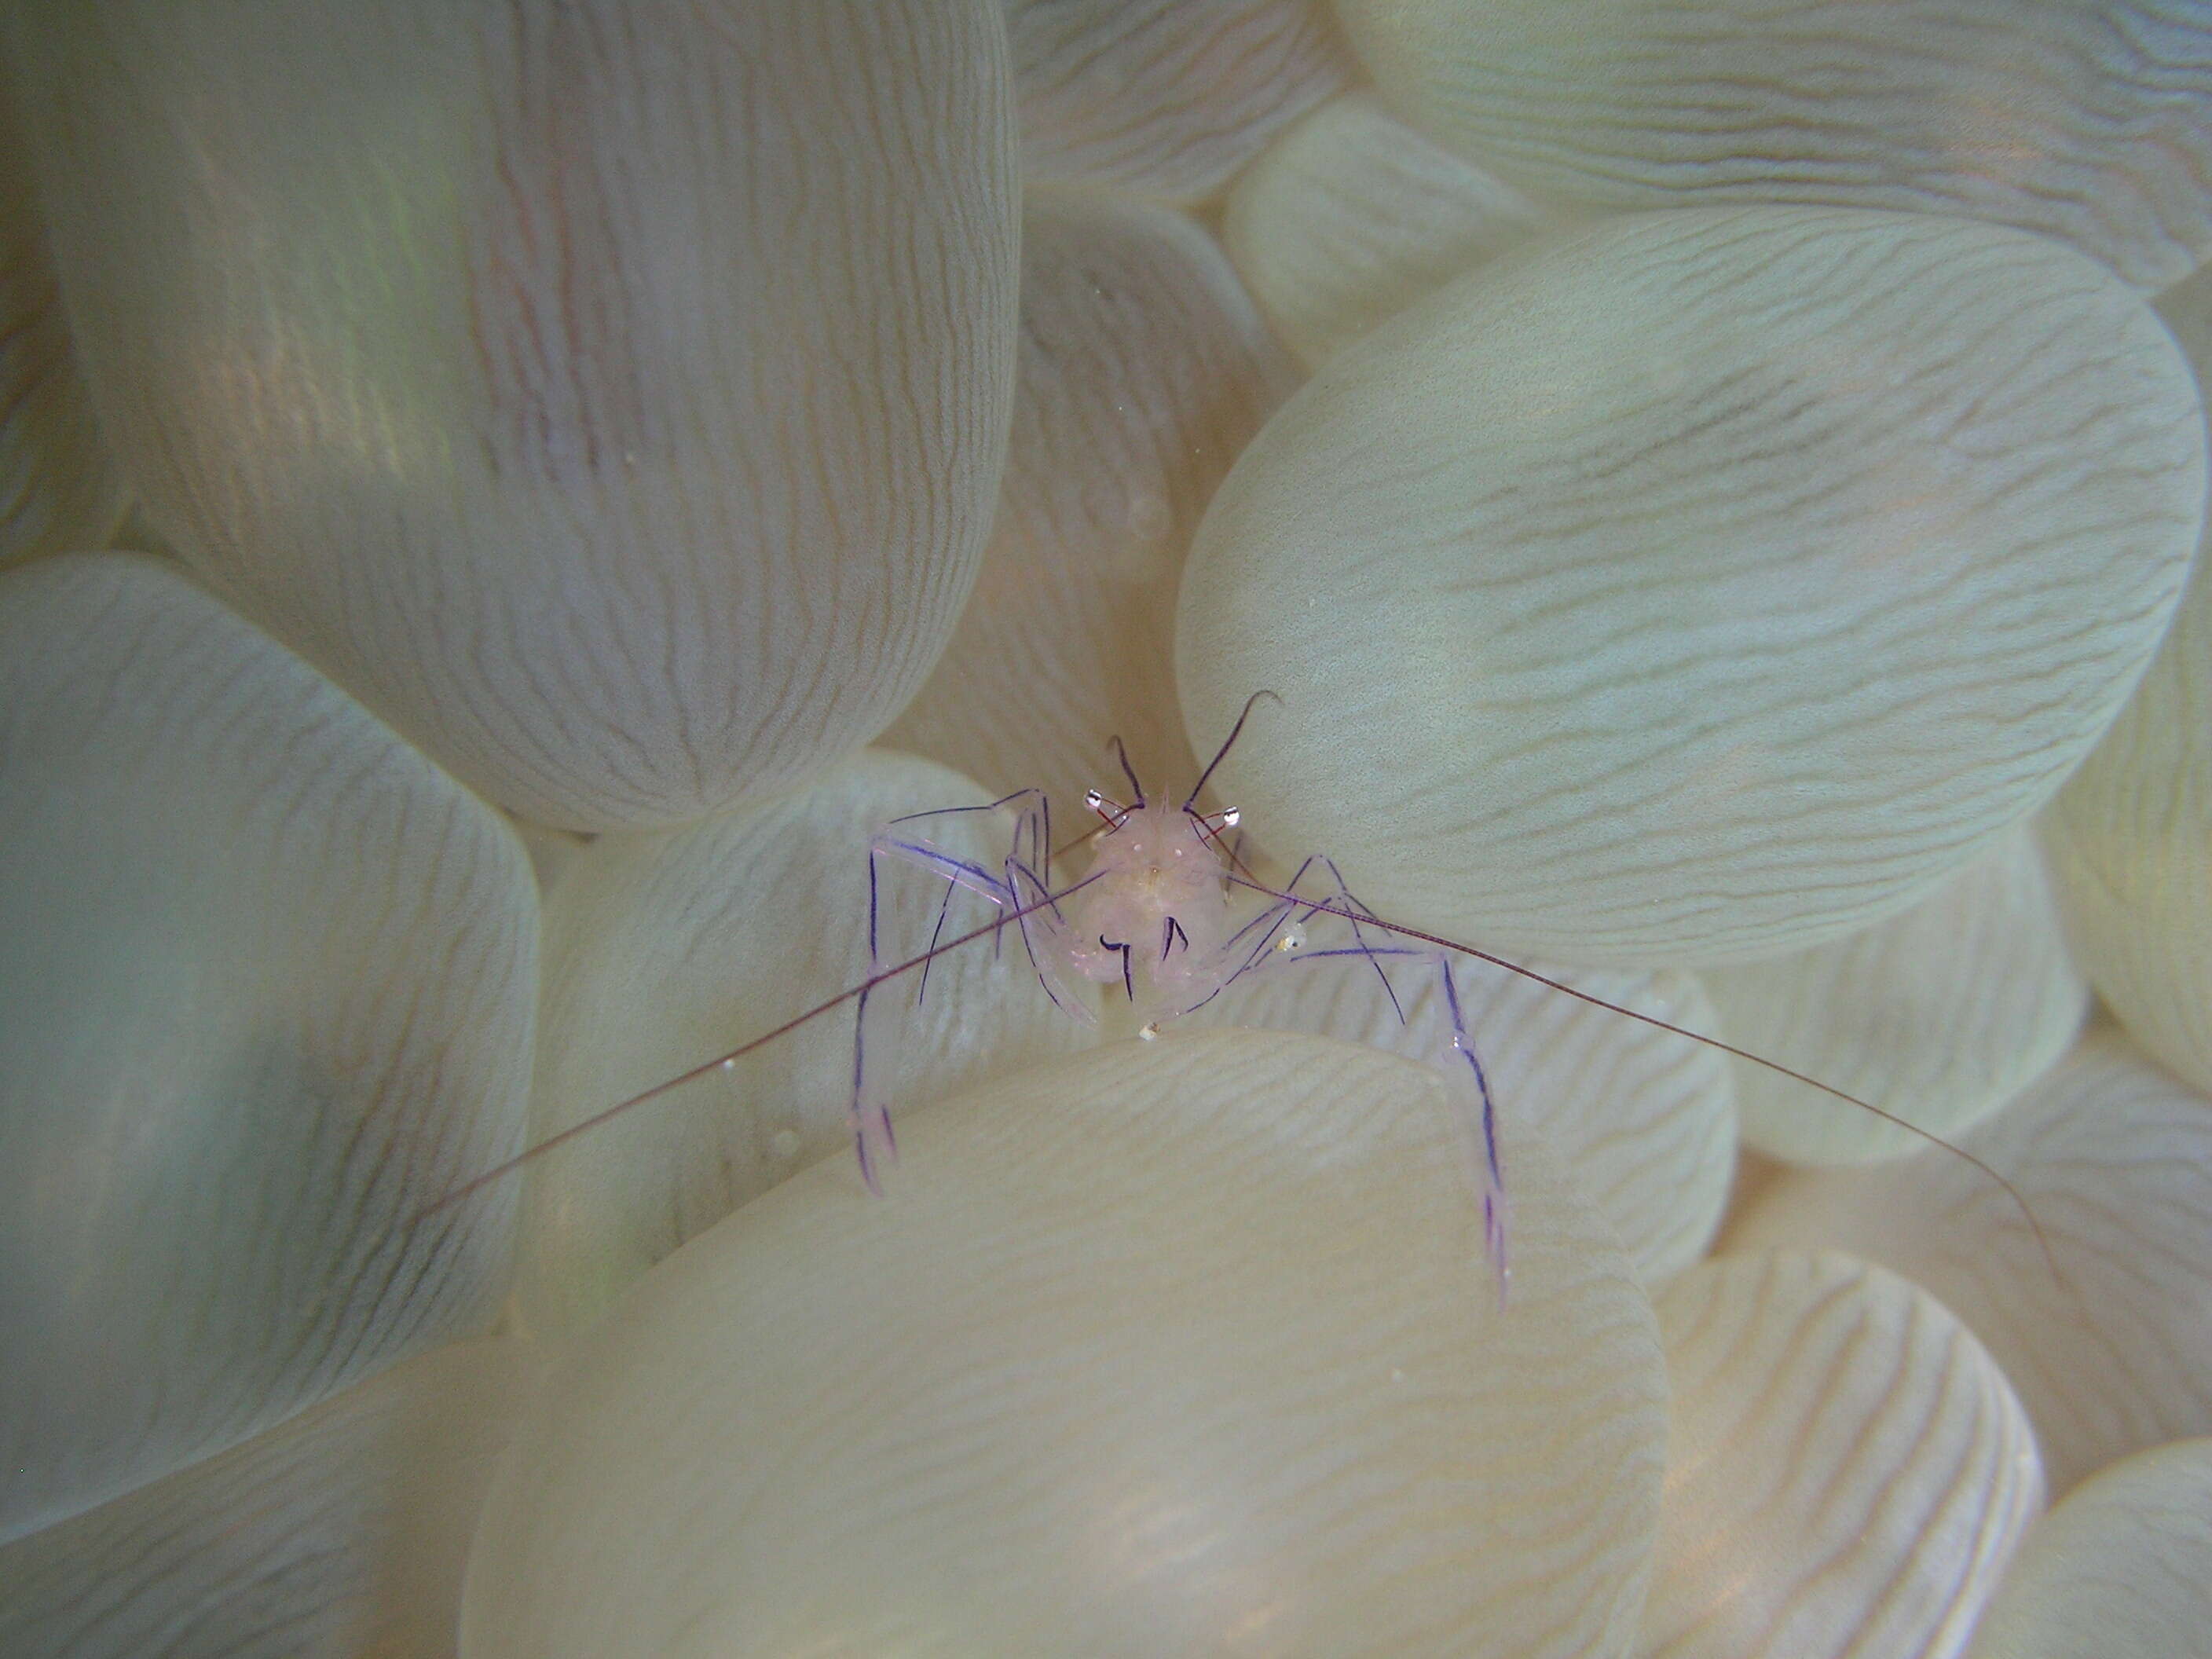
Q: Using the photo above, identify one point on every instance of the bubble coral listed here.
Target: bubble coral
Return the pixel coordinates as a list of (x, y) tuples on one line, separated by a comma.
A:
[(598, 413)]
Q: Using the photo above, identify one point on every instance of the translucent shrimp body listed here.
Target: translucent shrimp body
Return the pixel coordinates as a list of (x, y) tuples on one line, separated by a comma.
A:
[(1155, 917), (1153, 914)]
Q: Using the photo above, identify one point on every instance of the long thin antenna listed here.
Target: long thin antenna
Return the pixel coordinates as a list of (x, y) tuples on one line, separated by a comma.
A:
[(2042, 1242), (499, 1171), (1129, 771), (1229, 742)]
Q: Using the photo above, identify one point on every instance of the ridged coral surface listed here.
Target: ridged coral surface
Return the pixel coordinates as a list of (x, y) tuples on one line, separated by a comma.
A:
[(627, 510)]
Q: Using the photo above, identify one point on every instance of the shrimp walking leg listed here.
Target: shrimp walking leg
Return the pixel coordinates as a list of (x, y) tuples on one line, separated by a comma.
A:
[(878, 1028), (1153, 918), (1018, 889), (1489, 1170), (1280, 930), (1347, 921)]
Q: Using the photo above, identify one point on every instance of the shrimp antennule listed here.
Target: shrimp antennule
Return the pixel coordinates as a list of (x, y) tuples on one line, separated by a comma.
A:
[(1227, 744)]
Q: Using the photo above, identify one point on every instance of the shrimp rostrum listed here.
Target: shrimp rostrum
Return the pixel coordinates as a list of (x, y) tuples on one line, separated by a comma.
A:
[(1156, 915)]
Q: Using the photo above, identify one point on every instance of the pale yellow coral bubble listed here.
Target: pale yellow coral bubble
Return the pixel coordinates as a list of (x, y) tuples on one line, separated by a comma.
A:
[(1701, 585), (1185, 1346), (613, 398), (1144, 369), (2089, 122), (1848, 1471), (342, 1531), (2130, 835), (58, 486), (2121, 1570), (266, 987), (1938, 1015), (2113, 1157), (1352, 215), (1164, 97)]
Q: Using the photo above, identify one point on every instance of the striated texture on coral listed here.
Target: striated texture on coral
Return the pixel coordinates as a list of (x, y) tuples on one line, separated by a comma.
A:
[(612, 398), (2089, 122), (1354, 215), (1740, 479), (1165, 1349), (345, 1531), (1829, 1421), (1704, 584), (1945, 1012), (1166, 97), (266, 985), (2112, 1352), (1144, 369)]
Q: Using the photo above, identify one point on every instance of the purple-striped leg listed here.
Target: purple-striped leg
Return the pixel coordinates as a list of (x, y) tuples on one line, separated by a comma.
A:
[(1453, 1053), (879, 1028), (1490, 1170)]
